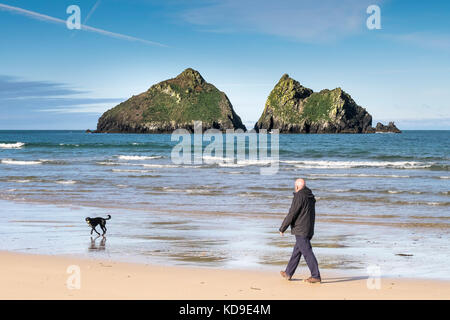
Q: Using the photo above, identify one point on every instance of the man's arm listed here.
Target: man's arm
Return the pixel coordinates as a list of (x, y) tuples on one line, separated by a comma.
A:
[(293, 212)]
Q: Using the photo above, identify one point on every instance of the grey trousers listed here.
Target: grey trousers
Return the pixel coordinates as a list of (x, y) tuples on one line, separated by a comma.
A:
[(303, 246)]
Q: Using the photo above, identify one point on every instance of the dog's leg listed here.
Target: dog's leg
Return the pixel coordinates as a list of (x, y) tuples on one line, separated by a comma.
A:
[(96, 231), (104, 229)]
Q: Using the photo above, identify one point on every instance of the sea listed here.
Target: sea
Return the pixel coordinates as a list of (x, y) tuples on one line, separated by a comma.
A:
[(383, 201)]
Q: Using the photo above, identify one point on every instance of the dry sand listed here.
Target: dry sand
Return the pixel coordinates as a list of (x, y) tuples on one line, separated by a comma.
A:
[(24, 276)]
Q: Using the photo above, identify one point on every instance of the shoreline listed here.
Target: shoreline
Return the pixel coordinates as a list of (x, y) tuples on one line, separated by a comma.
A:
[(334, 251), (31, 276)]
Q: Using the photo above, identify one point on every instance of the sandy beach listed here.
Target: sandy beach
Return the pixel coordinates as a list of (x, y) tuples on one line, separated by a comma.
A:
[(24, 276)]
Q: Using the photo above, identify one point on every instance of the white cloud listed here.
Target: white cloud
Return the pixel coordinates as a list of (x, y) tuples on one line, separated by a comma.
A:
[(88, 108), (305, 20)]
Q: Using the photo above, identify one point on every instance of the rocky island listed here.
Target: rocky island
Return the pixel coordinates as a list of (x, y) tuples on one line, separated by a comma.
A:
[(172, 104), (290, 108), (293, 108)]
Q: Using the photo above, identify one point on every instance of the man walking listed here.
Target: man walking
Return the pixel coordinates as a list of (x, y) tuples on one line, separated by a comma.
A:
[(301, 218)]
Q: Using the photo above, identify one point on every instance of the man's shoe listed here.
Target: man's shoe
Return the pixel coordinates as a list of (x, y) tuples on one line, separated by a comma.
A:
[(285, 275), (313, 280)]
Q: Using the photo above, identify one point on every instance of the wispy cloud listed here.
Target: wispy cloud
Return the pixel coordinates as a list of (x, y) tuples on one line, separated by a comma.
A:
[(423, 39), (46, 18), (305, 20), (91, 12), (20, 96)]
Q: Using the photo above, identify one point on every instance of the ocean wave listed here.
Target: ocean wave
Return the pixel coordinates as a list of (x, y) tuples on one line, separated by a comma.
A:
[(20, 162), (21, 180), (232, 162), (108, 163), (439, 167), (411, 157), (95, 144), (383, 200), (375, 191), (234, 172), (357, 175), (147, 165), (131, 170), (17, 145), (69, 145), (125, 157), (336, 164), (66, 182), (53, 162), (202, 191)]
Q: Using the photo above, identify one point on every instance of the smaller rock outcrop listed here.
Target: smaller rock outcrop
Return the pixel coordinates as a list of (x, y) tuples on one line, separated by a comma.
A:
[(391, 127)]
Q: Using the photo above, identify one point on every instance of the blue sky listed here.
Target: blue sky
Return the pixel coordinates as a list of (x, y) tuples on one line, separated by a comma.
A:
[(55, 78)]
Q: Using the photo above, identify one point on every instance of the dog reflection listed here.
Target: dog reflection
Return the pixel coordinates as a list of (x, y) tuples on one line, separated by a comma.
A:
[(100, 247)]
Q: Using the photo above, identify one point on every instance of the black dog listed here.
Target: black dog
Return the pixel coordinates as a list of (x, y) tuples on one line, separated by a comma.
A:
[(93, 222)]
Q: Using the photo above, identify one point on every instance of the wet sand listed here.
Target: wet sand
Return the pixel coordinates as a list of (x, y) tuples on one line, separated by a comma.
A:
[(26, 276)]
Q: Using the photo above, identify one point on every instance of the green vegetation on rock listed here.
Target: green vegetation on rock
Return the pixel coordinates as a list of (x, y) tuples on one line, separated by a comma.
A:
[(172, 104), (292, 108)]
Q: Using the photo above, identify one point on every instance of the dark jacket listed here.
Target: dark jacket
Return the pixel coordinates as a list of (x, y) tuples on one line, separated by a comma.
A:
[(302, 214)]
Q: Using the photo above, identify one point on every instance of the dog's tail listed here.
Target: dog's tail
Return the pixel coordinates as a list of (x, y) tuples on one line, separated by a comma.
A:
[(109, 217)]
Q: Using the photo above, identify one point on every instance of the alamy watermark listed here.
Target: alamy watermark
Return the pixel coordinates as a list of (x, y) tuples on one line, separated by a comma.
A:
[(73, 281), (74, 20), (234, 148), (374, 279), (373, 22)]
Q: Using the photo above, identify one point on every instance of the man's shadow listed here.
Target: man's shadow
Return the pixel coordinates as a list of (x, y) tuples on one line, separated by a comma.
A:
[(93, 246), (336, 280)]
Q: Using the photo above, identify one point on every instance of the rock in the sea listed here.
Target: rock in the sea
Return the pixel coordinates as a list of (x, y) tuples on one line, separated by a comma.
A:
[(292, 108), (391, 127), (173, 104)]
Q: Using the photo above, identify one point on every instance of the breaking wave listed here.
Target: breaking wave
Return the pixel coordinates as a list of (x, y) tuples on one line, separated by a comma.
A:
[(20, 162), (17, 145), (124, 157), (330, 164)]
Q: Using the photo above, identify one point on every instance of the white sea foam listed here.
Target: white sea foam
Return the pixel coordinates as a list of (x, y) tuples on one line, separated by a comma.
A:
[(124, 157), (357, 175), (20, 181), (231, 162), (147, 165), (340, 190), (64, 144), (20, 163), (66, 182), (335, 164), (17, 145), (131, 170), (105, 163)]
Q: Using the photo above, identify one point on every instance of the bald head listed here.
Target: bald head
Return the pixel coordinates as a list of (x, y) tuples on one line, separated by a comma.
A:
[(299, 184)]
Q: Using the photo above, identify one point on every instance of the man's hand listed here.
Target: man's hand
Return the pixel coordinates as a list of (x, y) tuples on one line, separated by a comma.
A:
[(281, 234)]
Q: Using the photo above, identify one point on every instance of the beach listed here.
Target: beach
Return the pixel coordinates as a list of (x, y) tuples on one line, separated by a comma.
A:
[(382, 205), (27, 276)]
